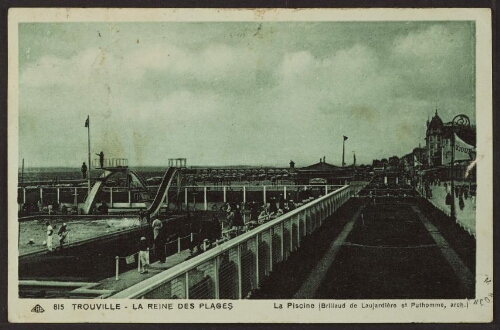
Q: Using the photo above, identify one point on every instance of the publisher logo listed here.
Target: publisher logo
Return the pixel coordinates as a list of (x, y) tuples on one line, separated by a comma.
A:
[(37, 309)]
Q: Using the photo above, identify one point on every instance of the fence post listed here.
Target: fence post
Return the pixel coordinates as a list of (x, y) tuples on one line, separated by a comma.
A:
[(191, 237), (117, 267), (58, 202), (111, 196), (187, 285), (270, 249), (298, 230), (178, 245), (186, 196), (205, 197), (257, 260), (24, 195), (264, 189), (284, 194), (240, 294), (282, 227), (129, 199), (224, 191), (244, 194), (76, 197), (216, 276), (326, 189), (41, 195)]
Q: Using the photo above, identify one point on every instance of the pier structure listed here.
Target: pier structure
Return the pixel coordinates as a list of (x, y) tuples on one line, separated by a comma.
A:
[(344, 244)]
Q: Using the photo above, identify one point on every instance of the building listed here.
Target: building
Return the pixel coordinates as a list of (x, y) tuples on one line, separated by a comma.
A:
[(438, 141), (434, 141), (322, 170)]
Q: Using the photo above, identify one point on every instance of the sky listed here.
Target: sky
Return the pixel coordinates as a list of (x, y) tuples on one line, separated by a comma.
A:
[(238, 93)]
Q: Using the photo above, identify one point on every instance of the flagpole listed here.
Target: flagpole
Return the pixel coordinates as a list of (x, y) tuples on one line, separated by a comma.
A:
[(88, 175), (343, 150)]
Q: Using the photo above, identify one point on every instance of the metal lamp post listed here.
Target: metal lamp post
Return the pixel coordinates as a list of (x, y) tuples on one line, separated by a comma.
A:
[(459, 121)]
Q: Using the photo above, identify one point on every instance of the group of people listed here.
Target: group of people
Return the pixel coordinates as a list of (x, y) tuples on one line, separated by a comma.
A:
[(259, 213), (461, 192), (84, 168), (158, 245), (49, 208), (62, 234)]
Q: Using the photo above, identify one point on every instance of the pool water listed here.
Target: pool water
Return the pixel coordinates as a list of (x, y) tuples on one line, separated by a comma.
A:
[(78, 230)]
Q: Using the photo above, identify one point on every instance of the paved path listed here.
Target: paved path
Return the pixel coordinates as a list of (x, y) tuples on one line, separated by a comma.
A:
[(463, 273), (313, 281), (131, 277), (395, 253)]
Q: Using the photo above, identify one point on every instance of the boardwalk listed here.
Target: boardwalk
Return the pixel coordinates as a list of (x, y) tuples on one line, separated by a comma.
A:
[(386, 251)]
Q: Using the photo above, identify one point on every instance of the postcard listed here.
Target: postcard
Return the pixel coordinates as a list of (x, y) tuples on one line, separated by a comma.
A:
[(250, 165)]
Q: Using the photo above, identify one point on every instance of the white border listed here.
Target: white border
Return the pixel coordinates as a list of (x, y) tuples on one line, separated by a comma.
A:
[(263, 311)]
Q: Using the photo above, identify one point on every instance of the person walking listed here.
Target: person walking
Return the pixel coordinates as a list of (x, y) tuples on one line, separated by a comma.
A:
[(50, 231), (84, 170), (157, 238)]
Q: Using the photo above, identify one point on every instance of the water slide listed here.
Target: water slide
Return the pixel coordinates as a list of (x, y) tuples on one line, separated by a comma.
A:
[(153, 209), (93, 192)]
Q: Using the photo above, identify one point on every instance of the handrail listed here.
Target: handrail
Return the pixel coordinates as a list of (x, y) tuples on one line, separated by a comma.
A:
[(164, 277)]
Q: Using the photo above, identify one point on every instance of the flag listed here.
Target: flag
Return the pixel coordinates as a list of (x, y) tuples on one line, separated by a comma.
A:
[(87, 122), (345, 137)]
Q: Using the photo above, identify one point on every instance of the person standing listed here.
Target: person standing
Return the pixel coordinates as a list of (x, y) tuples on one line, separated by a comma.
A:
[(157, 238), (101, 159), (84, 170), (62, 233), (238, 219), (50, 231), (143, 255), (103, 208)]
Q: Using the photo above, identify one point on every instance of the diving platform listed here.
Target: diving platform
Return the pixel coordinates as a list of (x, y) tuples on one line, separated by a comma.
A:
[(110, 164)]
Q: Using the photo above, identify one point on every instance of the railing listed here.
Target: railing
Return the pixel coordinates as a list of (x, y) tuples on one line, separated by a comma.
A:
[(110, 162), (200, 197), (234, 269)]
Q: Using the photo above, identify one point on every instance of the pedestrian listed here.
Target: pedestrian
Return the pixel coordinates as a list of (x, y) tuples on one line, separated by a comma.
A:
[(281, 202), (62, 233), (50, 231), (461, 203), (264, 215), (238, 219), (101, 159), (197, 239), (84, 170), (254, 212), (272, 206), (157, 239), (143, 255), (103, 208)]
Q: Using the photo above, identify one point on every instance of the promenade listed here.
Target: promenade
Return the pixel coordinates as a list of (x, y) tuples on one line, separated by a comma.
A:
[(398, 250)]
